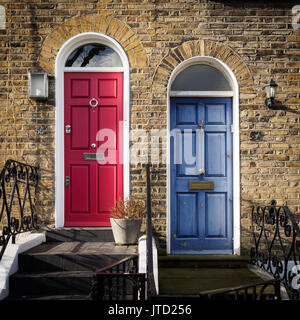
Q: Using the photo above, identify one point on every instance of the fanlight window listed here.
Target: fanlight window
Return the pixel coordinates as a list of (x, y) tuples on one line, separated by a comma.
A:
[(200, 77), (93, 55)]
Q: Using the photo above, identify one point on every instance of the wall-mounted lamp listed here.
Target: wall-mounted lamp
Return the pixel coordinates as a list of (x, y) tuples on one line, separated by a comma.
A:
[(38, 85), (270, 94)]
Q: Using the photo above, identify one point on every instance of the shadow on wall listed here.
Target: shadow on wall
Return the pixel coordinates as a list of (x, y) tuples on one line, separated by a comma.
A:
[(42, 137)]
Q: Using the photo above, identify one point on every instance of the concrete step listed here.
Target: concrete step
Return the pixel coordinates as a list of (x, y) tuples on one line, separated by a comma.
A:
[(72, 256), (50, 283), (202, 261), (195, 281), (82, 234), (51, 297)]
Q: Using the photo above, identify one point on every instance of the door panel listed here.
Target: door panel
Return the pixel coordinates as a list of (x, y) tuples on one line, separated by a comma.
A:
[(80, 88), (107, 88), (216, 215), (94, 185), (80, 119), (186, 215), (107, 178), (201, 139), (215, 159), (80, 188)]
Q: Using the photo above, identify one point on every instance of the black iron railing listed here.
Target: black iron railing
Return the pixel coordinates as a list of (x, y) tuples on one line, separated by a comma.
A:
[(18, 190), (151, 291), (119, 281), (277, 245), (266, 290)]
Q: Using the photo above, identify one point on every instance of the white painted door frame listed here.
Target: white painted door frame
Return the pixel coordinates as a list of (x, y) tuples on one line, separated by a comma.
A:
[(226, 71), (64, 52)]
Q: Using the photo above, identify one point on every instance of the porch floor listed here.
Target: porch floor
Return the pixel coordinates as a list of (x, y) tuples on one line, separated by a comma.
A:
[(83, 248), (199, 274), (189, 281)]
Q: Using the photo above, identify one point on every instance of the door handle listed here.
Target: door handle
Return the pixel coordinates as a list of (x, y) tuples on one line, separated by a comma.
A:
[(68, 129), (201, 171), (67, 182), (201, 125)]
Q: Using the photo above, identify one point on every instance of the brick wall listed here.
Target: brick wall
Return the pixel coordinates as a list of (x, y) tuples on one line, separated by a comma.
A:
[(254, 38)]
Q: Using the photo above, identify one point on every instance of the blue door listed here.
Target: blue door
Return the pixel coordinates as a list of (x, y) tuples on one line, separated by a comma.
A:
[(201, 176)]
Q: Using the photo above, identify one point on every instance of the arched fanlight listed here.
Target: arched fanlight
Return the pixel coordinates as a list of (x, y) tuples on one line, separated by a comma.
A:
[(93, 55)]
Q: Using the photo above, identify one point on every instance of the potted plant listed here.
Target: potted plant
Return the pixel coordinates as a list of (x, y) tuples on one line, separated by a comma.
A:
[(126, 220)]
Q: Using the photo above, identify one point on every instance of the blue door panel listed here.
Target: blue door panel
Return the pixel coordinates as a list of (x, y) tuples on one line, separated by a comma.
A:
[(201, 138), (187, 215), (186, 114), (215, 223), (215, 162), (215, 114)]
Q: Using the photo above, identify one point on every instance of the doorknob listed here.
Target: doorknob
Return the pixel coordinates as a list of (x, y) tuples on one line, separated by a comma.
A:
[(201, 171), (93, 145), (201, 125)]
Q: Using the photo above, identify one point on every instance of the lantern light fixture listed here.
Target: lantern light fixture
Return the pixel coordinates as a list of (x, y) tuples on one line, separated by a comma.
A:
[(38, 85), (270, 90)]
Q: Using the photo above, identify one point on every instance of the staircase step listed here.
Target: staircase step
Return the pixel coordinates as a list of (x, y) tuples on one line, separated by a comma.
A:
[(82, 234), (202, 261), (50, 283), (51, 297), (195, 281), (72, 256)]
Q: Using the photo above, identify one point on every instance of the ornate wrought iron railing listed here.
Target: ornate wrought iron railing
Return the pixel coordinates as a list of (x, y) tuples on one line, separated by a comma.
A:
[(119, 281), (277, 245), (266, 290), (18, 191)]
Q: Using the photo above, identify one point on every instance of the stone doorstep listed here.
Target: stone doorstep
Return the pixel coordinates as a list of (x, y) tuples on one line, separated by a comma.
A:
[(73, 256), (200, 281), (80, 234), (203, 261)]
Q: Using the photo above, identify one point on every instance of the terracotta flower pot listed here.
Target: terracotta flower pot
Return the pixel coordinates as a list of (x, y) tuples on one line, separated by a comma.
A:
[(126, 231)]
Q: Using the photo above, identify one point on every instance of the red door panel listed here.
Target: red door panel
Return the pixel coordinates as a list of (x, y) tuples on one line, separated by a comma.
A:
[(93, 185), (80, 188), (80, 119), (107, 188)]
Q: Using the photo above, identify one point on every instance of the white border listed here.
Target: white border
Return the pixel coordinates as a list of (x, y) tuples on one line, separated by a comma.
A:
[(64, 52), (222, 67)]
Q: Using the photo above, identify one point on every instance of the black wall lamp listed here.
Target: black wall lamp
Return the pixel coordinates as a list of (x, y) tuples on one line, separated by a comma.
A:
[(270, 94)]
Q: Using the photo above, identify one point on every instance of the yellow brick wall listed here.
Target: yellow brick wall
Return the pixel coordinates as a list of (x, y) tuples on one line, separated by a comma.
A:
[(255, 39)]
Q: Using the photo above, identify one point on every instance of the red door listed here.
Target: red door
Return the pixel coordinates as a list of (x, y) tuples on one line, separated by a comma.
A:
[(93, 169)]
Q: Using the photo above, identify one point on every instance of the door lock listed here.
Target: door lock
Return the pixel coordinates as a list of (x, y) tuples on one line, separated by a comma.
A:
[(93, 145), (68, 129), (67, 182)]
